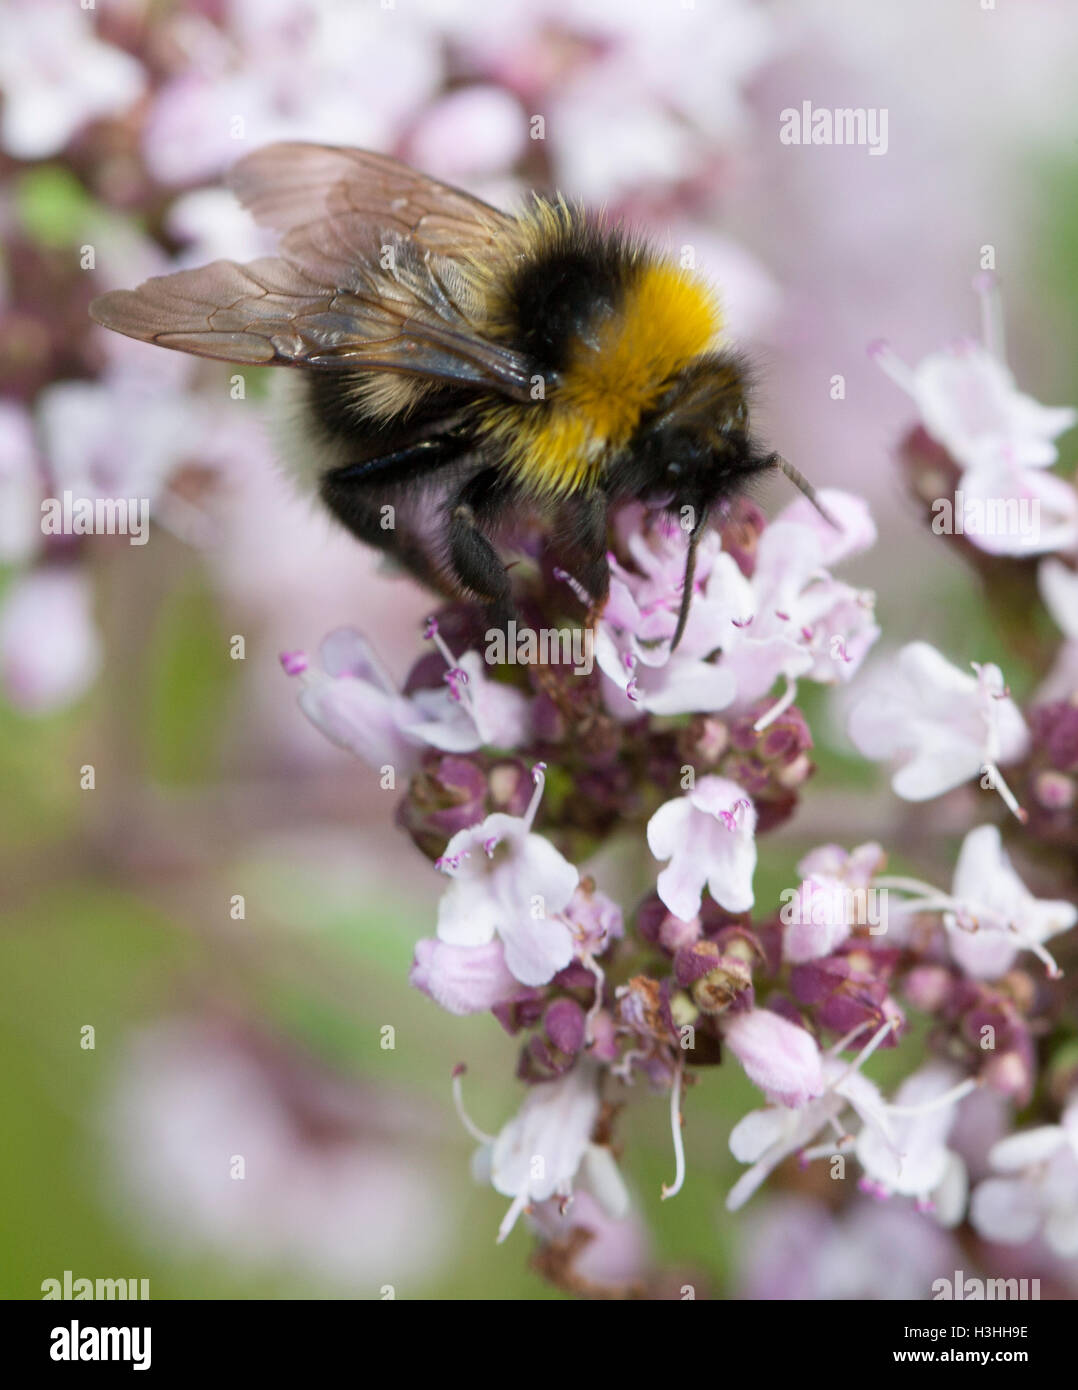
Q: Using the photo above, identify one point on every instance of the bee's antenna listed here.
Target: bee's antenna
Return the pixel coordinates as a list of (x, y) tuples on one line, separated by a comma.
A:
[(690, 571), (803, 485)]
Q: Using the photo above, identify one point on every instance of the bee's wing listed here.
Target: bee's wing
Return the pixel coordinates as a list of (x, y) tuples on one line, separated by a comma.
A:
[(298, 188), (370, 285)]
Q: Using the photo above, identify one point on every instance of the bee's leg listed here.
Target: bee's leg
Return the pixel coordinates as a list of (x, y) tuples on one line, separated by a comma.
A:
[(363, 494), (475, 562), (583, 526)]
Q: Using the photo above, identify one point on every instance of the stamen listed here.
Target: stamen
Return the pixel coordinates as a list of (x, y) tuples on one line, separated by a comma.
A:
[(458, 1101), (843, 1043), (987, 685), (456, 678), (779, 708), (1041, 952), (951, 1097), (596, 969), (293, 663), (807, 1156), (889, 361), (867, 1051), (902, 884), (520, 1203), (675, 1129), (1008, 797), (539, 778)]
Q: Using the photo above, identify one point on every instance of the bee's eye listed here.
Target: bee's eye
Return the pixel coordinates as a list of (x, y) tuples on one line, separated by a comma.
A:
[(673, 470)]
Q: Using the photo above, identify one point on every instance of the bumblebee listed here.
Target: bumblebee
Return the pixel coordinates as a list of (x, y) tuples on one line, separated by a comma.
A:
[(462, 367)]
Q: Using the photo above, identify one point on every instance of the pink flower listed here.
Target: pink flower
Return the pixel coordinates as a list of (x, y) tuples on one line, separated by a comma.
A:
[(995, 915), (463, 979), (56, 76), (50, 651), (474, 131), (632, 642), (1039, 511), (122, 435), (1002, 439), (969, 402), (792, 619), (797, 1248), (509, 882), (548, 1143), (778, 1056), (324, 1195), (911, 1157), (822, 915), (356, 704), (616, 1254), (1039, 1192), (707, 836), (765, 1138), (943, 726)]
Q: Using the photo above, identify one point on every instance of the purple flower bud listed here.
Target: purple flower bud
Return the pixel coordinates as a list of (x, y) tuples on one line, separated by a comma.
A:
[(447, 794), (552, 1050)]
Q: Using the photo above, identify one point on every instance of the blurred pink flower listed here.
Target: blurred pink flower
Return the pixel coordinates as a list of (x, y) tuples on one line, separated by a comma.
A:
[(288, 71), (471, 133), (995, 915), (796, 1248), (56, 76), (49, 647), (969, 402), (911, 1156), (1002, 439), (1059, 589), (120, 436), (1039, 1192), (321, 1195), (617, 1254)]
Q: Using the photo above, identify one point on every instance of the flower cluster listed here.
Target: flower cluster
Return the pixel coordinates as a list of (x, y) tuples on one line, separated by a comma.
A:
[(517, 775)]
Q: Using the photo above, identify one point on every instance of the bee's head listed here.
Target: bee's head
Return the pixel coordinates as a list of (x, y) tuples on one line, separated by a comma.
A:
[(696, 448)]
